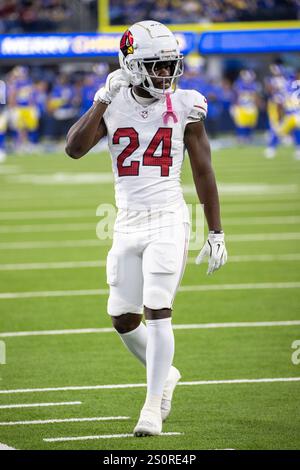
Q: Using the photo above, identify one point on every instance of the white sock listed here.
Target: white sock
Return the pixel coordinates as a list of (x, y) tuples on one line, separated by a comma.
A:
[(136, 342), (159, 356)]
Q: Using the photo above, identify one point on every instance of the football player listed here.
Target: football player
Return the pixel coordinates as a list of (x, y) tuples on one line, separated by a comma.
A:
[(148, 124)]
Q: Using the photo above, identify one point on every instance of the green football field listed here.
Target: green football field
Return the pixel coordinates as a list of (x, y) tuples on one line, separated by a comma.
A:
[(69, 383)]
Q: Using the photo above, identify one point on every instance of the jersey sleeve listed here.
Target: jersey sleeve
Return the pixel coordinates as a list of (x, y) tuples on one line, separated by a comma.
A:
[(197, 107)]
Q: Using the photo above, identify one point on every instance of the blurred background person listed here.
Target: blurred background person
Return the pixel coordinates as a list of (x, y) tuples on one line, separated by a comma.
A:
[(284, 112), (245, 108), (3, 131), (274, 88), (63, 106), (25, 115)]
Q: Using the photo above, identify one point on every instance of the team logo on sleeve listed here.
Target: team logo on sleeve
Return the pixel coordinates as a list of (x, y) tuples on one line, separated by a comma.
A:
[(126, 43), (201, 110)]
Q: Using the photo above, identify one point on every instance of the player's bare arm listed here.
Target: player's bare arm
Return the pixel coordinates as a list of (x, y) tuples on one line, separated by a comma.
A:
[(91, 128), (197, 144), (87, 131)]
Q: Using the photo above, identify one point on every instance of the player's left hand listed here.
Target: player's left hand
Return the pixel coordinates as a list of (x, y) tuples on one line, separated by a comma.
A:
[(214, 248), (114, 82)]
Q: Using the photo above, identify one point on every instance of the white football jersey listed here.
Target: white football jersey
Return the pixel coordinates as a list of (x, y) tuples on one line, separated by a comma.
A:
[(147, 154)]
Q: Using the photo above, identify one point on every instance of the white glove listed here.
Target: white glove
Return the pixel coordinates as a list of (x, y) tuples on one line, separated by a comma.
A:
[(113, 84), (214, 248)]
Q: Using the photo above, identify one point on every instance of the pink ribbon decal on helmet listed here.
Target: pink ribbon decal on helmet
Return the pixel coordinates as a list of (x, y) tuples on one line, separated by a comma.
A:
[(169, 113)]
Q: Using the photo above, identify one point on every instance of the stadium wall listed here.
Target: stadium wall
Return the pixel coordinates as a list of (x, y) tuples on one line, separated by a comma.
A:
[(94, 45)]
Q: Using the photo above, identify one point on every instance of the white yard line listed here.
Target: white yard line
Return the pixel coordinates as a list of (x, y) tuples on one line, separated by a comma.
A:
[(249, 286), (49, 228), (240, 381), (63, 178), (280, 220), (251, 206), (49, 244), (197, 288), (55, 265), (245, 237), (256, 258), (142, 385), (36, 405), (24, 295), (241, 221), (252, 189), (56, 332), (102, 263), (189, 326), (67, 420), (47, 214), (5, 447), (264, 257), (263, 237), (102, 436), (255, 207), (249, 324)]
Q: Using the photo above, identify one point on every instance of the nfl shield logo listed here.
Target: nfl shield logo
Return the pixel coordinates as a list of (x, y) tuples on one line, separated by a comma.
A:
[(144, 114)]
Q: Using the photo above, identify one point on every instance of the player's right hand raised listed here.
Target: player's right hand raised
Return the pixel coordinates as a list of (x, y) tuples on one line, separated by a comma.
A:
[(113, 84)]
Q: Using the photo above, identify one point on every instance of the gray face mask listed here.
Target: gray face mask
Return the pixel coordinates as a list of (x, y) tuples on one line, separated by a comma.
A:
[(149, 73)]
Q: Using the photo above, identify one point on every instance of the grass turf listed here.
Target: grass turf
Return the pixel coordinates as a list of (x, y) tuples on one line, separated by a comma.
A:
[(239, 416)]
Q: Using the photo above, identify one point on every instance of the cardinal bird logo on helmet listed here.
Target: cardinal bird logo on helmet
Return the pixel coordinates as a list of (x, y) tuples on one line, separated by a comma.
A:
[(126, 44)]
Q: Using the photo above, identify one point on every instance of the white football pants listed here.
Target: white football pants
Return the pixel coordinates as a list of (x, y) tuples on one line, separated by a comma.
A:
[(145, 268)]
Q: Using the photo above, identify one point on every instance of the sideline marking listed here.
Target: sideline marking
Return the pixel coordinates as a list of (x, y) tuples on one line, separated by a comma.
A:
[(188, 326), (199, 288), (34, 405), (141, 385), (67, 420), (246, 237), (49, 228), (288, 219), (46, 214), (103, 436), (249, 206), (102, 263)]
